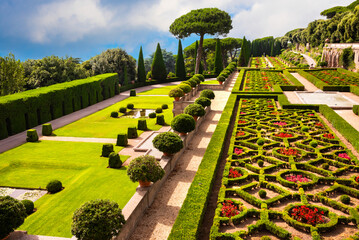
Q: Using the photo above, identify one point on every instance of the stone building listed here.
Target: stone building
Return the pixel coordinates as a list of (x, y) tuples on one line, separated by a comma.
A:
[(332, 51)]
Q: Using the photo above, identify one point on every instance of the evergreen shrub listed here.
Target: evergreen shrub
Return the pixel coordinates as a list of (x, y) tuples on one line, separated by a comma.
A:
[(32, 135), (160, 119), (176, 92), (13, 214), (122, 140), (152, 115), (114, 160), (123, 110), (183, 123), (158, 110), (145, 168), (142, 124), (168, 142), (208, 93), (205, 102), (130, 106), (132, 92), (54, 186), (107, 148), (132, 132), (195, 110), (164, 106), (46, 129), (262, 193), (29, 206), (114, 114), (185, 87)]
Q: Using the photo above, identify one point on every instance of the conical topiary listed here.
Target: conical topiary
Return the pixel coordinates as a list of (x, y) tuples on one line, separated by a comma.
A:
[(218, 63), (158, 66), (141, 72), (180, 67)]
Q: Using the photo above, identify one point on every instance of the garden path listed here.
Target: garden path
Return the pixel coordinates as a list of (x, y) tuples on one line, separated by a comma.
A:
[(158, 219), (311, 62), (20, 138), (268, 62)]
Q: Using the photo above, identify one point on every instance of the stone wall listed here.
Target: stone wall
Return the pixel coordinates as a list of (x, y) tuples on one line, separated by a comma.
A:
[(332, 52)]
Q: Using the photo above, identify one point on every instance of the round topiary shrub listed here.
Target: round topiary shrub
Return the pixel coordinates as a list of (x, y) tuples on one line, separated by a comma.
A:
[(260, 163), (208, 93), (97, 219), (114, 160), (114, 114), (183, 123), (152, 115), (164, 106), (29, 206), (130, 106), (185, 88), (145, 168), (260, 141), (176, 93), (345, 199), (12, 215), (54, 186), (313, 143), (123, 110), (262, 193), (198, 81), (168, 142), (221, 78), (107, 148), (305, 129), (195, 110), (199, 76), (158, 110), (205, 102), (325, 166)]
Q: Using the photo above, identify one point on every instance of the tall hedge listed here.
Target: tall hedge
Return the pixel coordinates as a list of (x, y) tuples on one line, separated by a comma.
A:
[(141, 72), (25, 110), (218, 63), (158, 66), (180, 67)]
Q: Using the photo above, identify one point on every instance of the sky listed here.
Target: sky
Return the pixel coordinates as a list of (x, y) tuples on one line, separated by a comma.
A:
[(33, 29)]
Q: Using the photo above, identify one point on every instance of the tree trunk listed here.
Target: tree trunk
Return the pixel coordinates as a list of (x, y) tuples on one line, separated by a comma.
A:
[(224, 58), (205, 61), (199, 54)]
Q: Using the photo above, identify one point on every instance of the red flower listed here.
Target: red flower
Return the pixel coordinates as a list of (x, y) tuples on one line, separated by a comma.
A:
[(234, 173), (229, 209)]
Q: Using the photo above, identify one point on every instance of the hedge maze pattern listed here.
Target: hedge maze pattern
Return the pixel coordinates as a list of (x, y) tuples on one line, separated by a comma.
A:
[(301, 165), (333, 77), (264, 80)]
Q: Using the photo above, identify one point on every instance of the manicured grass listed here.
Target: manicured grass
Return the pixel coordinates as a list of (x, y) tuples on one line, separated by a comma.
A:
[(215, 82), (101, 125), (159, 91), (78, 166)]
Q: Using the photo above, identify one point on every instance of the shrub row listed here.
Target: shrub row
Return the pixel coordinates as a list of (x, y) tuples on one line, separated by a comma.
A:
[(226, 72), (25, 110)]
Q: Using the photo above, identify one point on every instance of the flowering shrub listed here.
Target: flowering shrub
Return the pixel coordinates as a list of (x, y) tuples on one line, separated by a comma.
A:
[(242, 121), (280, 123), (344, 155), (289, 152), (307, 215), (234, 173), (296, 178), (229, 209), (334, 77), (283, 135), (238, 151), (357, 179), (328, 135), (240, 133), (319, 125)]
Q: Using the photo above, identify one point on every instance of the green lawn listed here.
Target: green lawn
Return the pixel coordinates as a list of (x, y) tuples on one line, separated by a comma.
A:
[(78, 166), (215, 82), (158, 91), (101, 125)]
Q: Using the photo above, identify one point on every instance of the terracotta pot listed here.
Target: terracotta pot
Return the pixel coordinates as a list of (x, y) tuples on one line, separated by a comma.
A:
[(220, 82), (177, 98), (183, 134), (195, 118), (144, 183), (167, 154)]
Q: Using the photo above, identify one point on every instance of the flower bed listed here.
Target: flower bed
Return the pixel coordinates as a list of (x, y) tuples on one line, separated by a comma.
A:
[(264, 80), (333, 77)]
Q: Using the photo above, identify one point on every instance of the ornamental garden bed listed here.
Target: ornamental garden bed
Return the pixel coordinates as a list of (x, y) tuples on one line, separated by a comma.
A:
[(296, 164), (264, 81)]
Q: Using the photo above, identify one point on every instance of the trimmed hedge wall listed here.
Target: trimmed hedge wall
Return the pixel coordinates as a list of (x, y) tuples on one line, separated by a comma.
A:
[(356, 109), (25, 110), (191, 214), (317, 82)]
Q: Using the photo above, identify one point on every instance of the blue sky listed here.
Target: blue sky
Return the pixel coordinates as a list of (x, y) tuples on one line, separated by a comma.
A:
[(33, 29)]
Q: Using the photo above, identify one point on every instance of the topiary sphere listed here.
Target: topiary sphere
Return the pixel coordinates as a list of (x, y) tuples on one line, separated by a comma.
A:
[(198, 81), (305, 129), (168, 142), (12, 215), (313, 143), (130, 106), (176, 92), (205, 102), (152, 115), (114, 160), (260, 141), (97, 220), (200, 76), (123, 110), (158, 110), (208, 93), (183, 123), (221, 78), (345, 199), (185, 88), (260, 163), (192, 82), (145, 168), (114, 114), (164, 106), (195, 110), (262, 193), (29, 206), (54, 186)]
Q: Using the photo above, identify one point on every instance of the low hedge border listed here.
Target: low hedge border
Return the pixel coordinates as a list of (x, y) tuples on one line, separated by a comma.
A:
[(192, 211), (299, 85)]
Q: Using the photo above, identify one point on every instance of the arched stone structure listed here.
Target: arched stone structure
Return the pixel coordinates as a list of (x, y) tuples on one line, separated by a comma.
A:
[(332, 52)]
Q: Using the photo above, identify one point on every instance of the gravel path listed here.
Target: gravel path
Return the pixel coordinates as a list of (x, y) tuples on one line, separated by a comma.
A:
[(160, 217)]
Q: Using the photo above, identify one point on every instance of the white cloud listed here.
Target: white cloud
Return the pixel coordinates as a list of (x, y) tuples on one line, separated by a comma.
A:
[(69, 20)]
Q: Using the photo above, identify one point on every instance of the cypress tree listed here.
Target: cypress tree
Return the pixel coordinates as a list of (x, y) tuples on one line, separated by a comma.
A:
[(125, 76), (218, 63), (180, 68), (141, 72), (242, 54), (158, 66)]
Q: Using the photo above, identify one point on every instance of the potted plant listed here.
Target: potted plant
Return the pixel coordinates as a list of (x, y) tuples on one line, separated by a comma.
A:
[(176, 93), (195, 110), (183, 123), (185, 87), (208, 93), (221, 79), (145, 169), (168, 143), (205, 102)]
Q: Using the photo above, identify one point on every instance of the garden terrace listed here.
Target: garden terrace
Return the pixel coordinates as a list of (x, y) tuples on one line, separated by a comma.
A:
[(258, 62), (335, 77), (264, 81), (277, 63)]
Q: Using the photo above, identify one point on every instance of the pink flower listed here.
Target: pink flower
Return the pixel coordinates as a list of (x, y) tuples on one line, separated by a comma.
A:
[(238, 151)]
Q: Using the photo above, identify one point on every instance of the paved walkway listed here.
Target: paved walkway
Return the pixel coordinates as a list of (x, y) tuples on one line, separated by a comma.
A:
[(311, 62), (158, 220), (269, 62), (20, 138)]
